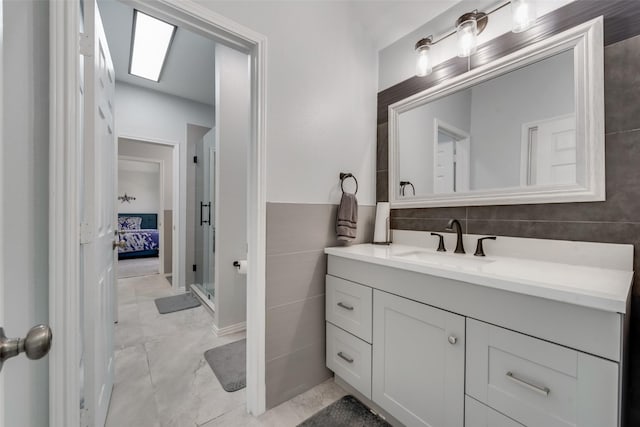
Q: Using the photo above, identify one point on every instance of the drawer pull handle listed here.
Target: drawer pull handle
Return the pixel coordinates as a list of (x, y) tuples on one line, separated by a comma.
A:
[(345, 306), (343, 356), (538, 389)]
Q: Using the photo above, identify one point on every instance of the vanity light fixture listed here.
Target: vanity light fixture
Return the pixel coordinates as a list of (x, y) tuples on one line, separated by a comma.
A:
[(423, 64), (150, 42), (467, 29)]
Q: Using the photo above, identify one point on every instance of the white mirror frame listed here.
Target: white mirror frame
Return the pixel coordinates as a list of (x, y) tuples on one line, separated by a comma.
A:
[(586, 41)]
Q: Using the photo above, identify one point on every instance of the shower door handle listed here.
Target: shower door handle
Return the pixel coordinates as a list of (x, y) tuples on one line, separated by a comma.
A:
[(202, 220)]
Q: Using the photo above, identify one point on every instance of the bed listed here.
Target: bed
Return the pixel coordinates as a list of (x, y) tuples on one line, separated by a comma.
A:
[(140, 234)]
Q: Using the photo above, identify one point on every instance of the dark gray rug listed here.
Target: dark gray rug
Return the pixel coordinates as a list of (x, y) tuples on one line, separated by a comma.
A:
[(346, 412), (176, 303), (229, 363)]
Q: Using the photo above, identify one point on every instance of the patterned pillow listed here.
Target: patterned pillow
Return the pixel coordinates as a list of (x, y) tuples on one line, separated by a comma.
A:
[(129, 222)]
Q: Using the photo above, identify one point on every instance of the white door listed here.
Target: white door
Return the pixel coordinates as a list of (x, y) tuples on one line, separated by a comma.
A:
[(556, 152), (99, 220), (418, 362), (444, 173), (549, 152)]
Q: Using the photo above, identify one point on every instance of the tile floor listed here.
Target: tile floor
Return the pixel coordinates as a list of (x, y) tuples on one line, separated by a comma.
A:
[(138, 267), (162, 378)]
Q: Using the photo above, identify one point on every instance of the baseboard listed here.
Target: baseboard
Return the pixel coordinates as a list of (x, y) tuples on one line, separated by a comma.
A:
[(231, 329)]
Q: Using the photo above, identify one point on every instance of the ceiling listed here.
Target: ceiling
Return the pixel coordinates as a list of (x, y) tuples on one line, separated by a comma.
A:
[(386, 21), (189, 67)]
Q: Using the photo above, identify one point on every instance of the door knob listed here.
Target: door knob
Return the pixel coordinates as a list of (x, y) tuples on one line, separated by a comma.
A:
[(452, 340), (120, 245), (35, 345)]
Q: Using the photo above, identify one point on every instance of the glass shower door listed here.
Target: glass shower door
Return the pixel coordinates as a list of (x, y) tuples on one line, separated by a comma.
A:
[(205, 222)]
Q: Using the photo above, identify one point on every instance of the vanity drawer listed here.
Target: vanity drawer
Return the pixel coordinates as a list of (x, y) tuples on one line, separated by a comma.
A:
[(538, 383), (478, 415), (349, 306), (350, 358)]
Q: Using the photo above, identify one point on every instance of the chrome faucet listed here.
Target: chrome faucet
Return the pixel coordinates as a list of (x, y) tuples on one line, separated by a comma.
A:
[(459, 244)]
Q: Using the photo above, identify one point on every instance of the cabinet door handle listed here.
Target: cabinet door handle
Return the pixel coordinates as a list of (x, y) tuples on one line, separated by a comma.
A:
[(452, 340), (345, 357), (538, 389), (345, 306)]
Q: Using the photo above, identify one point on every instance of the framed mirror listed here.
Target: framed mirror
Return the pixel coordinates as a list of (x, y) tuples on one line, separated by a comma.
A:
[(526, 128)]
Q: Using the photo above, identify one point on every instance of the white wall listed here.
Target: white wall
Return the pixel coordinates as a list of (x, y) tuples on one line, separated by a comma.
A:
[(232, 137), (500, 107), (142, 184), (24, 168), (397, 61), (144, 150), (321, 97), (149, 115), (416, 136)]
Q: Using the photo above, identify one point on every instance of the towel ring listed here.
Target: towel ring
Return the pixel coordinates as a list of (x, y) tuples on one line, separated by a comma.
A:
[(344, 176)]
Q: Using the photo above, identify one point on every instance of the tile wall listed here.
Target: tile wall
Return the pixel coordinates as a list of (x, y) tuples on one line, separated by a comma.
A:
[(296, 266)]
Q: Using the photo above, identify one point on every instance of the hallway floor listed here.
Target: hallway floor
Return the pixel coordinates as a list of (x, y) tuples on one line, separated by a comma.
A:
[(162, 378)]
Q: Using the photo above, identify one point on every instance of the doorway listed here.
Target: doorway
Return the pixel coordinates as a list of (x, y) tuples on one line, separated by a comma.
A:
[(65, 142)]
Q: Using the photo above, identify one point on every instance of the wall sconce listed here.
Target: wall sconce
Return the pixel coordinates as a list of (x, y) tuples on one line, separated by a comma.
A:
[(469, 26)]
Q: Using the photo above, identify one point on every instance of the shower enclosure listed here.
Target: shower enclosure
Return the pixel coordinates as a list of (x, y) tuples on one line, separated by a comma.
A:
[(205, 231)]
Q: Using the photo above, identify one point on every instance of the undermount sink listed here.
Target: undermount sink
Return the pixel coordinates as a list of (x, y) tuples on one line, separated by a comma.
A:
[(438, 258)]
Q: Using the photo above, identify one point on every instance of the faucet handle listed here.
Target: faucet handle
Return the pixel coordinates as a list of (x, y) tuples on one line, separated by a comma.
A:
[(441, 247), (479, 248)]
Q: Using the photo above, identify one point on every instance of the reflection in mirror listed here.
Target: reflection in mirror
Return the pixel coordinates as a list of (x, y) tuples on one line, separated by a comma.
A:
[(515, 130)]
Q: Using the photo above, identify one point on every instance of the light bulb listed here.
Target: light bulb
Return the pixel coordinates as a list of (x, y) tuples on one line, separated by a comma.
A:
[(467, 38), (423, 62), (523, 15)]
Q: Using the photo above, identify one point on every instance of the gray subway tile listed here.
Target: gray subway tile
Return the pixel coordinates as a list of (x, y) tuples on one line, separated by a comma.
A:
[(298, 227), (605, 232), (459, 213), (382, 152), (423, 224), (294, 326), (294, 277), (622, 85), (295, 373), (382, 186)]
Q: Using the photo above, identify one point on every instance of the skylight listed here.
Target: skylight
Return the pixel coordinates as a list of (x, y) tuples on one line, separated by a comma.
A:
[(150, 45)]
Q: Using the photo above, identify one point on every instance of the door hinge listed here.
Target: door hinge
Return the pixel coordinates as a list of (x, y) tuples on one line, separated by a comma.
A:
[(194, 267), (195, 159), (85, 45), (85, 234)]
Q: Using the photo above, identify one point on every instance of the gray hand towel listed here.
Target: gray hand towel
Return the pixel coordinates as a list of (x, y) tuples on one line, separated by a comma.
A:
[(347, 219)]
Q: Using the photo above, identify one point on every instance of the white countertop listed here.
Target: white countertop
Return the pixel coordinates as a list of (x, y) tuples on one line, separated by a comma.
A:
[(600, 288)]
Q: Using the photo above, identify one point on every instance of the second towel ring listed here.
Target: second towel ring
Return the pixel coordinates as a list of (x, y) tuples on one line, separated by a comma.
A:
[(344, 176)]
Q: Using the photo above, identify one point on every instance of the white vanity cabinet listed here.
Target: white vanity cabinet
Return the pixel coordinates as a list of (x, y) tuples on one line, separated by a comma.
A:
[(418, 362), (433, 351)]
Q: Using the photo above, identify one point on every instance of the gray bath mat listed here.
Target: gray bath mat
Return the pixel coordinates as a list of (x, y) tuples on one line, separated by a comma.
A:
[(346, 412), (229, 363), (176, 303)]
